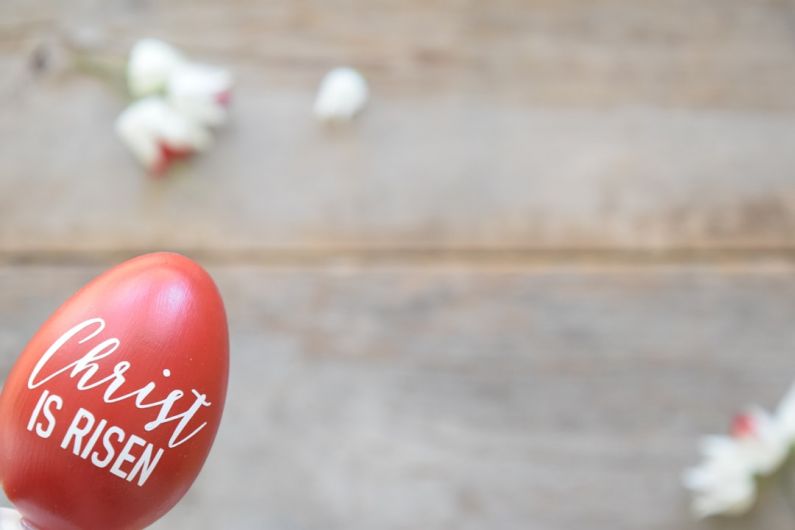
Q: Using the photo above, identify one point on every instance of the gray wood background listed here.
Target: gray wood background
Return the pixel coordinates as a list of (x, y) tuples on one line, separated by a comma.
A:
[(556, 248)]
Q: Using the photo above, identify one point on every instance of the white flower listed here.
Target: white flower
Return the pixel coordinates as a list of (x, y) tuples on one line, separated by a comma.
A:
[(158, 135), (723, 495), (761, 439), (343, 93), (201, 92), (150, 65), (724, 483), (10, 519), (184, 99)]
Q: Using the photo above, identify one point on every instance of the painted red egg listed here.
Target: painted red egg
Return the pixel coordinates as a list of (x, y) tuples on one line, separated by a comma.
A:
[(110, 411)]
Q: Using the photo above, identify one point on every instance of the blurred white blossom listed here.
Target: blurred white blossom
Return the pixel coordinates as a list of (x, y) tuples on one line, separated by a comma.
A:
[(10, 519), (725, 481), (201, 92), (721, 484), (762, 441), (343, 93), (150, 65), (158, 135), (182, 100)]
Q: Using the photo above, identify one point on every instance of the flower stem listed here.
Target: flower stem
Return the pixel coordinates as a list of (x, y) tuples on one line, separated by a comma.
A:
[(786, 480), (109, 70)]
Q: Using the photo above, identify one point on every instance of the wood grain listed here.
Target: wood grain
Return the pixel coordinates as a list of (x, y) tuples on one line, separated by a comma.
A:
[(406, 398), (509, 124), (436, 395)]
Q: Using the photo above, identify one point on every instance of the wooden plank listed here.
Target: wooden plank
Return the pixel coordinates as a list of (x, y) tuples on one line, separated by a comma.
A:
[(468, 398), (716, 53), (510, 124)]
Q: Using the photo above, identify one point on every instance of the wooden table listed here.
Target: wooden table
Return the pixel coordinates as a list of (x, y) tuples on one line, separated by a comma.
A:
[(556, 248)]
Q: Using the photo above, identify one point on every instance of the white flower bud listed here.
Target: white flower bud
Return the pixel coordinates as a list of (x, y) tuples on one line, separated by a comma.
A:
[(200, 92), (157, 134), (343, 93), (151, 63)]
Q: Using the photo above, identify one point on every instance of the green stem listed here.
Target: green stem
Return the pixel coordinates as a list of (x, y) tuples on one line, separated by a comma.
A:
[(786, 480), (110, 71)]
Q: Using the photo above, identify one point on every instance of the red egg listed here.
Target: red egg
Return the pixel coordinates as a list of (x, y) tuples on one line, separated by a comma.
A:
[(110, 411)]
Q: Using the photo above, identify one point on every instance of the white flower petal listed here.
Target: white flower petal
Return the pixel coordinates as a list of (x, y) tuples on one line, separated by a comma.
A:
[(150, 124), (717, 446), (713, 472), (734, 497), (151, 63), (767, 449), (343, 93), (723, 483), (10, 519), (200, 92), (708, 476)]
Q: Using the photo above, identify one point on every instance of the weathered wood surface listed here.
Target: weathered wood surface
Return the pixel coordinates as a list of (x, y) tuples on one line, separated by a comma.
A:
[(501, 124), (463, 394), (431, 399)]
